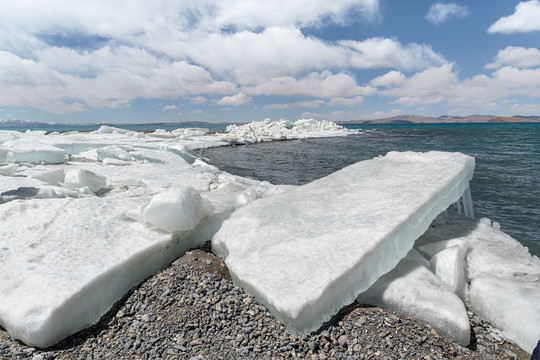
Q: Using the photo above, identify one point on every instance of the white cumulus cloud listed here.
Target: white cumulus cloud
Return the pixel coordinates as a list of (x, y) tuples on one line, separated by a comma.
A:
[(384, 52), (524, 19), (324, 84), (309, 104), (516, 56), (440, 12), (234, 100), (441, 85), (390, 78), (341, 101)]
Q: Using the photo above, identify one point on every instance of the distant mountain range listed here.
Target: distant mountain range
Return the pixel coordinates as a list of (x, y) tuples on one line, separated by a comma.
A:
[(400, 119), (415, 119)]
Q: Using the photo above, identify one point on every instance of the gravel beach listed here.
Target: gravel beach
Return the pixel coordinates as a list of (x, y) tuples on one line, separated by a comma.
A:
[(192, 310)]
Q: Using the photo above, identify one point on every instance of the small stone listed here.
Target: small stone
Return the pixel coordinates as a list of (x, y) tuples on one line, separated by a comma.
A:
[(196, 342)]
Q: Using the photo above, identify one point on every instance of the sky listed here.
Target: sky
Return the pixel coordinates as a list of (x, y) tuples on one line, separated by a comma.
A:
[(137, 61)]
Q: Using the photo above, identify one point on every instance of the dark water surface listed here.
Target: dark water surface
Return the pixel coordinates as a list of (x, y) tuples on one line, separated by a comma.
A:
[(505, 187)]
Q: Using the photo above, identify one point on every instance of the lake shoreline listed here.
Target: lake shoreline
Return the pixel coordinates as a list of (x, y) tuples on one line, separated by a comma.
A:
[(191, 308)]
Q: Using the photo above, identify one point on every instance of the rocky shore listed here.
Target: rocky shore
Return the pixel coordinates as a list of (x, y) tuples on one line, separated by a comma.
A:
[(192, 310)]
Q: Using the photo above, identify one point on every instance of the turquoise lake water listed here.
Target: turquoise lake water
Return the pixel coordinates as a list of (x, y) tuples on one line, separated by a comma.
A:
[(505, 187)]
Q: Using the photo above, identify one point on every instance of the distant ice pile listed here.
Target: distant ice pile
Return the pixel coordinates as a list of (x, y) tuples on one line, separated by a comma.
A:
[(86, 216), (280, 130)]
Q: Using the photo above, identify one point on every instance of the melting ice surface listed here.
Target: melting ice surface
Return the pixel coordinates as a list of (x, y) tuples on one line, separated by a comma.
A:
[(86, 216)]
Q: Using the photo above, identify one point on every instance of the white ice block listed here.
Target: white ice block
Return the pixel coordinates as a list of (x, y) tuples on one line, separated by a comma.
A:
[(509, 304), (8, 169), (32, 151), (81, 178), (504, 278), (411, 289), (448, 265), (74, 258), (175, 209), (308, 252)]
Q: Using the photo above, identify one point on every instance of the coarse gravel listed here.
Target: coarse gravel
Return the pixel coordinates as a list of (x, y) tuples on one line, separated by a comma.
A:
[(192, 310)]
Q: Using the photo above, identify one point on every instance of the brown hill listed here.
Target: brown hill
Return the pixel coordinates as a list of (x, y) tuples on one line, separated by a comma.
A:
[(416, 119)]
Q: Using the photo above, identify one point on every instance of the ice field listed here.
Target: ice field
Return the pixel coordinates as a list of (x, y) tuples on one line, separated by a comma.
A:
[(86, 216)]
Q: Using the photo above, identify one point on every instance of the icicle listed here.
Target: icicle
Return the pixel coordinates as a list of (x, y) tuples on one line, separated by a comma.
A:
[(465, 203), (469, 202)]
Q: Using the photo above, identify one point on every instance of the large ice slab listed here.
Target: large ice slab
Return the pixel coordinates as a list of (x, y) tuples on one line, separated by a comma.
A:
[(65, 268), (411, 289), (308, 252), (503, 277)]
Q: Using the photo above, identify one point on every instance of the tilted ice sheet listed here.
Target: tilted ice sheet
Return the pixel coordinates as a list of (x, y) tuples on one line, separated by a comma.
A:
[(308, 252), (503, 277)]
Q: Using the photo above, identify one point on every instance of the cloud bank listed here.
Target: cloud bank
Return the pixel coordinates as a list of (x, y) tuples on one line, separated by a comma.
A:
[(63, 57)]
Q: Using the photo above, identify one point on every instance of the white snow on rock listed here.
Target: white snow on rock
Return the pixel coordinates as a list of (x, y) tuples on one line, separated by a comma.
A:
[(413, 290), (308, 252), (503, 277)]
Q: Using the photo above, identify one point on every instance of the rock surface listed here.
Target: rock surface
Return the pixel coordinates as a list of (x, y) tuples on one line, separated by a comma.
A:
[(192, 309)]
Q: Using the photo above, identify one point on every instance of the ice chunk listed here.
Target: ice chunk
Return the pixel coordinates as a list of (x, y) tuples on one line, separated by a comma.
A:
[(32, 151), (104, 129), (106, 152), (512, 306), (177, 209), (431, 249), (8, 169), (308, 252), (48, 175), (448, 266), (81, 178), (504, 287), (411, 289)]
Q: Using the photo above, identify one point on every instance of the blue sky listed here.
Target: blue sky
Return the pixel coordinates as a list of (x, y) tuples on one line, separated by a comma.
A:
[(243, 60)]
